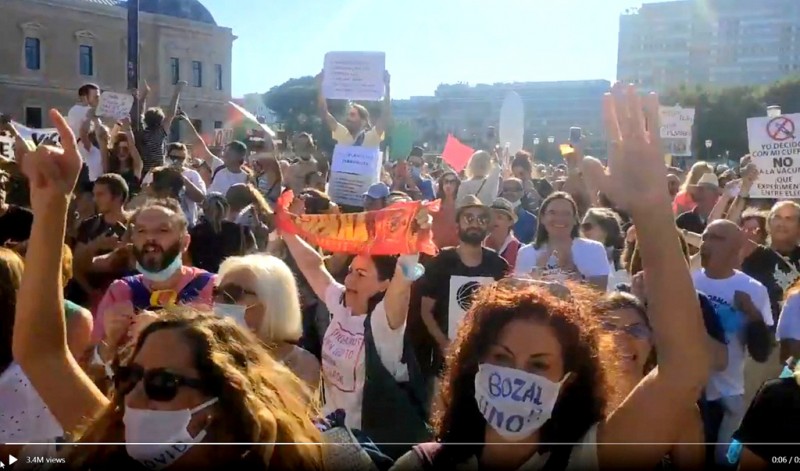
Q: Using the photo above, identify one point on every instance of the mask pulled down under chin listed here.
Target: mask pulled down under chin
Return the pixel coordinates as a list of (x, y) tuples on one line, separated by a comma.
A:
[(161, 275), (165, 434), (513, 402)]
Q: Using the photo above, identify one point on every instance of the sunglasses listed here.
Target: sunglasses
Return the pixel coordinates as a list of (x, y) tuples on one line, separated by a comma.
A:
[(160, 384), (450, 181), (482, 220), (228, 293), (639, 331), (177, 157)]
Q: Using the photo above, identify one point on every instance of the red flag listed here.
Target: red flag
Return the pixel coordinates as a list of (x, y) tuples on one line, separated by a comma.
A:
[(456, 154), (390, 231)]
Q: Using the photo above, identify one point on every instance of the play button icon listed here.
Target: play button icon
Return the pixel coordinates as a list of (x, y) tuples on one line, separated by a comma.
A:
[(11, 459)]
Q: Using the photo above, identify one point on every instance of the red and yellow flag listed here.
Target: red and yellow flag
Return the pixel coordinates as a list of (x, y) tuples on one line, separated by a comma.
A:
[(391, 231)]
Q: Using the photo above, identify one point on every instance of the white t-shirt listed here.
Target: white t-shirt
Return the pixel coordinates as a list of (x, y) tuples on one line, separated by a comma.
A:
[(730, 381), (588, 256), (223, 179), (93, 159), (343, 354), (76, 116), (23, 415), (190, 208), (789, 321)]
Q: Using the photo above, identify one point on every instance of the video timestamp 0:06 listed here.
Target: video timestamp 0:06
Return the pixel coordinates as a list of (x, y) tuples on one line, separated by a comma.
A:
[(785, 459)]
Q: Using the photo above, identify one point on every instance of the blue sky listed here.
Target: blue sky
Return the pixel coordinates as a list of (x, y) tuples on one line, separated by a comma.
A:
[(427, 42)]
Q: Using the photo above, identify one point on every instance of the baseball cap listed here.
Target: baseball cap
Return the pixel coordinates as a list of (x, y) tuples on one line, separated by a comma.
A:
[(377, 191)]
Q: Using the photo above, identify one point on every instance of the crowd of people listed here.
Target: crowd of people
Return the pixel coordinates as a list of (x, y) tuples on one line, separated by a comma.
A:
[(594, 315)]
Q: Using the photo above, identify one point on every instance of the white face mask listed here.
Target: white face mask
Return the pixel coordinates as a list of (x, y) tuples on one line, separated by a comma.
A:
[(233, 311), (514, 402), (163, 275), (165, 431)]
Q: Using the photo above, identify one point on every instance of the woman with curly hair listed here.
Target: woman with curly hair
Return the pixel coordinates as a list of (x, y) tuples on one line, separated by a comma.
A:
[(191, 378), (534, 371)]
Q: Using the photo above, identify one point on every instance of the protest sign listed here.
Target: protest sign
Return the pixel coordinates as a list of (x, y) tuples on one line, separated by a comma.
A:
[(115, 105), (222, 137), (353, 170), (456, 154), (354, 75), (775, 150), (512, 123), (390, 231), (676, 130), (7, 147)]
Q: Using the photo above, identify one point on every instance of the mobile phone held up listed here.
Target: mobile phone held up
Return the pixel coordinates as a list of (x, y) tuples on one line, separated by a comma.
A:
[(575, 135)]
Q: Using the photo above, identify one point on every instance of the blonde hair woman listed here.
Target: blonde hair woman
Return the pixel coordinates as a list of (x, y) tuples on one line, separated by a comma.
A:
[(259, 291), (683, 200), (483, 178)]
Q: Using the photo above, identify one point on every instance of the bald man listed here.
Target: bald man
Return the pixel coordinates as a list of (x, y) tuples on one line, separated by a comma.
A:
[(743, 307)]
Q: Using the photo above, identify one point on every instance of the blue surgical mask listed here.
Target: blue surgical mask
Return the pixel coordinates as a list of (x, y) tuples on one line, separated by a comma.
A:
[(233, 311), (162, 275)]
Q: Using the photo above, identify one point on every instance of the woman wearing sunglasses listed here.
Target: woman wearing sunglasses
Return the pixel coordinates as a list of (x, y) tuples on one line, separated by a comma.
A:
[(192, 377), (445, 227), (531, 370), (259, 292), (625, 316)]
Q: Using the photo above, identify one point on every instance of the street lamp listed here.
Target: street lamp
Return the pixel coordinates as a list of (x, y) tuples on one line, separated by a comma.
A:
[(709, 143), (551, 139), (773, 111), (536, 141)]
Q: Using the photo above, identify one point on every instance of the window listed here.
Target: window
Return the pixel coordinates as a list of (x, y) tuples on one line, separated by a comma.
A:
[(217, 124), (198, 125), (217, 77), (32, 54), (175, 70), (33, 117), (87, 60), (197, 74)]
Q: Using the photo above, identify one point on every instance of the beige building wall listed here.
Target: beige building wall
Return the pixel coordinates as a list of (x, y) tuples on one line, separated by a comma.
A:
[(63, 25)]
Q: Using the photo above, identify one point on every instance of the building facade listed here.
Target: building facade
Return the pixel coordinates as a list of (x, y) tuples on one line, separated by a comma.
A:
[(551, 108), (51, 47), (709, 42)]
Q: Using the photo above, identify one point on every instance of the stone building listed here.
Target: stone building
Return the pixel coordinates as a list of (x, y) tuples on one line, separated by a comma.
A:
[(52, 47)]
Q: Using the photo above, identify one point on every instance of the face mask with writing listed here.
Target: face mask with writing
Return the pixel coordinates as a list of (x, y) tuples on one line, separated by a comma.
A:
[(166, 433), (514, 402)]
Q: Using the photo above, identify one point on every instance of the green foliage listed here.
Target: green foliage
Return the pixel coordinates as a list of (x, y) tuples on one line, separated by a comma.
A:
[(721, 113)]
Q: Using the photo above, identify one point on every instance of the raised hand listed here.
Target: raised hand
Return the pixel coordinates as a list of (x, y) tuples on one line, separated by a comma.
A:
[(52, 171), (636, 173)]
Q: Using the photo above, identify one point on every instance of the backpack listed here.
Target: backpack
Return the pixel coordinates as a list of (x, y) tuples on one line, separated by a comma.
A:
[(141, 295)]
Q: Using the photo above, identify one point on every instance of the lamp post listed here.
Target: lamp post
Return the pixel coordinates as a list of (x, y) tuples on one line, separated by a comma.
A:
[(535, 141), (709, 143), (133, 60), (551, 139), (773, 111)]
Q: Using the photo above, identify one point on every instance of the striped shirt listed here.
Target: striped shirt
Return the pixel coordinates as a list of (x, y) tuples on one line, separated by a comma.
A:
[(152, 145)]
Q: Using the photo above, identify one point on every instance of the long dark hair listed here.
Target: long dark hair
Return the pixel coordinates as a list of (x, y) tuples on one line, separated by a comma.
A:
[(114, 163), (583, 397), (11, 268), (440, 184), (541, 233)]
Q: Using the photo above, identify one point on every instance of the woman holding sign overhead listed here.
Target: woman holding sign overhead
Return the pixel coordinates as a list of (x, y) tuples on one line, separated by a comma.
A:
[(530, 365), (357, 129)]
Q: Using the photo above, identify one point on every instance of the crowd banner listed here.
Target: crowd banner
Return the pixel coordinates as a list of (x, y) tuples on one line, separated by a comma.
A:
[(775, 150), (354, 75), (456, 154), (7, 147), (390, 231), (115, 105), (512, 123), (676, 130), (353, 170)]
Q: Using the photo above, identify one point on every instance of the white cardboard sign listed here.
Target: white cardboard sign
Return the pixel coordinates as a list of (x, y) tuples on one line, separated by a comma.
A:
[(676, 130), (353, 170), (354, 75), (7, 147), (775, 149), (115, 105)]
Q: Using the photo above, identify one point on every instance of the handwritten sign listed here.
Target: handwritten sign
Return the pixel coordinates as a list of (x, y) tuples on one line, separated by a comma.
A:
[(115, 105), (354, 75), (353, 170), (676, 130), (7, 147), (223, 137), (775, 147)]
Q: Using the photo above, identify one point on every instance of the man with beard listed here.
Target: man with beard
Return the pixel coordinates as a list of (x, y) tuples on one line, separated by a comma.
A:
[(742, 305), (455, 273), (159, 239), (357, 129)]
